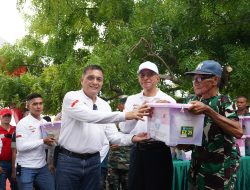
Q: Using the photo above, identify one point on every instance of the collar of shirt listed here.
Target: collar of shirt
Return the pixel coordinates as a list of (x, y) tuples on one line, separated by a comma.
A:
[(33, 119), (89, 102), (158, 96)]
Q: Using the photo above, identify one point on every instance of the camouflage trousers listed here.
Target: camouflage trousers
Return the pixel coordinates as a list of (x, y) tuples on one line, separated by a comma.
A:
[(117, 179)]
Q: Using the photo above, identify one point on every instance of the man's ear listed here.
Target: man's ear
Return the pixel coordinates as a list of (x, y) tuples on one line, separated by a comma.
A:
[(27, 105), (158, 78), (81, 79), (216, 81)]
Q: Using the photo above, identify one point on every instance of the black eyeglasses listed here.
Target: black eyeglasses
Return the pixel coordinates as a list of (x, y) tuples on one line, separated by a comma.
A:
[(146, 74), (201, 78)]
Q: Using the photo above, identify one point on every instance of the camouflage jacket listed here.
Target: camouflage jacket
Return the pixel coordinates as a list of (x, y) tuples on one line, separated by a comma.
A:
[(215, 163), (246, 113), (119, 158)]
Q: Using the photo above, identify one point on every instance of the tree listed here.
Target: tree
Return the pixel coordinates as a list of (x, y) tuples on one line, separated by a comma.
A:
[(119, 35)]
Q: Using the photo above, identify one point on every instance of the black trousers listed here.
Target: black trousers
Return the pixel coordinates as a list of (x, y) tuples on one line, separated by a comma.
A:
[(151, 168)]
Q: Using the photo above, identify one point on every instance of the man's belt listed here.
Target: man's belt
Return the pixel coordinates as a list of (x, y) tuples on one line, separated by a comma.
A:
[(77, 155), (149, 145)]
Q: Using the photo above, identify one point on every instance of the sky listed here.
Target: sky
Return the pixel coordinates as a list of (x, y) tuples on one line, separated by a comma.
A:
[(12, 25)]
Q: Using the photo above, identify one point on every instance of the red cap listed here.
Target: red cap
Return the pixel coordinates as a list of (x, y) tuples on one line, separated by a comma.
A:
[(5, 111)]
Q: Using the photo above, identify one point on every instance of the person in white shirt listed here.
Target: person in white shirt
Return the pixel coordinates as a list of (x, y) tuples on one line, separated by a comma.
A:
[(31, 164), (151, 164), (86, 122)]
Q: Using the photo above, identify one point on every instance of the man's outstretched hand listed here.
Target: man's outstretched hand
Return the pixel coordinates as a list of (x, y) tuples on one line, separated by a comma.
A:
[(138, 113)]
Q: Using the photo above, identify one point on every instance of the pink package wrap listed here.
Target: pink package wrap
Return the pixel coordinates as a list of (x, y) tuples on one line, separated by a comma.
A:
[(245, 123), (173, 124), (241, 144), (51, 129)]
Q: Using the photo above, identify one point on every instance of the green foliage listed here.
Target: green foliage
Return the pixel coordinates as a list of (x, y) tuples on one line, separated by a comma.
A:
[(12, 58), (15, 89), (239, 59), (119, 35)]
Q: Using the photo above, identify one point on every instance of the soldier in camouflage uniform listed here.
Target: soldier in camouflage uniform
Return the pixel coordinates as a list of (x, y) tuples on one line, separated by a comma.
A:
[(215, 163), (119, 161), (118, 168), (243, 107)]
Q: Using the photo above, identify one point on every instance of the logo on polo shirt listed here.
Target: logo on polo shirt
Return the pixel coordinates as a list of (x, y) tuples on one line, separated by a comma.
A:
[(18, 136), (74, 103), (32, 129)]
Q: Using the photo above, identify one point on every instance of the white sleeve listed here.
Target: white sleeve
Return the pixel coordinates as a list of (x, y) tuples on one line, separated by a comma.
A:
[(105, 149), (129, 125), (76, 109), (23, 143), (116, 137)]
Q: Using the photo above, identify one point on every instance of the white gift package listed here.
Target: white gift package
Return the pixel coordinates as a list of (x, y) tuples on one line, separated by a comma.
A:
[(51, 129), (245, 123), (173, 124)]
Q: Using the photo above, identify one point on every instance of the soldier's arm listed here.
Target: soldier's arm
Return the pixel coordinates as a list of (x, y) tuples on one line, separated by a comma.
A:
[(231, 127)]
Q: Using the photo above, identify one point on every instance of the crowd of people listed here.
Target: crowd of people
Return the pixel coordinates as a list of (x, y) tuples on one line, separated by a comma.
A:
[(97, 145)]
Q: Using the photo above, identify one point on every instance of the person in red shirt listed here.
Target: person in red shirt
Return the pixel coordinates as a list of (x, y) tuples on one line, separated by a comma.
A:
[(6, 132)]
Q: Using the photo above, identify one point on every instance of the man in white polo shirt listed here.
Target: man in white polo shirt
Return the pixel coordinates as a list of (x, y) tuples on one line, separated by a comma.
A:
[(86, 122), (31, 164), (151, 165)]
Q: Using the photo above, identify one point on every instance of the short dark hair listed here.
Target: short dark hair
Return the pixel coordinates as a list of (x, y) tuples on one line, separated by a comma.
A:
[(92, 67), (32, 96), (242, 96), (25, 109), (47, 118)]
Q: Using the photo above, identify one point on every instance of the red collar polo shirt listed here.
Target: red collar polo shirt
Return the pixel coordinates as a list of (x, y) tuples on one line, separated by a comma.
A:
[(6, 142)]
